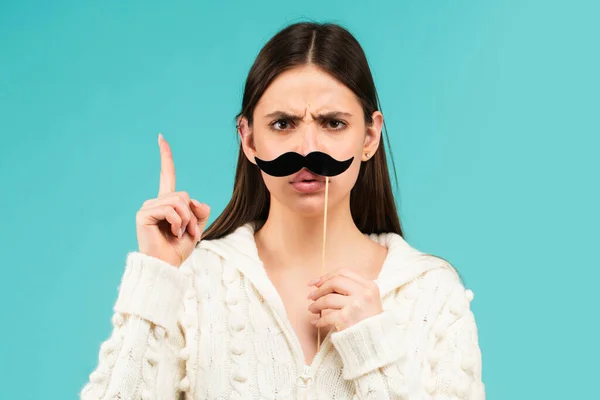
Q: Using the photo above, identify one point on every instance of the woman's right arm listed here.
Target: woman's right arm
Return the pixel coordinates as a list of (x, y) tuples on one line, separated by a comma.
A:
[(142, 358), (145, 354)]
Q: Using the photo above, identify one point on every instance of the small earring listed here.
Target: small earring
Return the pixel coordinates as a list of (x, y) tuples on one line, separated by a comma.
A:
[(368, 155)]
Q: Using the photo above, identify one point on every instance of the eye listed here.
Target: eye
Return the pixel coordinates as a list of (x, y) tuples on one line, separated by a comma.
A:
[(336, 125), (280, 125)]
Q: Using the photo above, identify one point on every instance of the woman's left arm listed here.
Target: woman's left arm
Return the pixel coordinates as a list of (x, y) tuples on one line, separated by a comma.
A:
[(424, 345)]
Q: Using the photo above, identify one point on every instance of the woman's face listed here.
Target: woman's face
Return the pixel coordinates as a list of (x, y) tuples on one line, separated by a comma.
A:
[(306, 110)]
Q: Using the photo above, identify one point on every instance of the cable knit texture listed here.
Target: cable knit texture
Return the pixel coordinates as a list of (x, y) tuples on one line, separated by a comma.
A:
[(216, 328)]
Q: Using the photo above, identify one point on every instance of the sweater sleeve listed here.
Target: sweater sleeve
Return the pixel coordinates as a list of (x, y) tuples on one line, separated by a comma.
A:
[(424, 346), (141, 358)]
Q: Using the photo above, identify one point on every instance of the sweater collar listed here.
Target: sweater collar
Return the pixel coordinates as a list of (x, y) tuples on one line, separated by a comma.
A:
[(402, 264)]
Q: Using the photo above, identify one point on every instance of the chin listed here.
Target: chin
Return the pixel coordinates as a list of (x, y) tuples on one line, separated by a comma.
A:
[(308, 210)]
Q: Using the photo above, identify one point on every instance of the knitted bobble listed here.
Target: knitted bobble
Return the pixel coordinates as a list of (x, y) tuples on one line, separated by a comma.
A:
[(184, 385), (159, 332), (188, 321), (97, 377), (151, 357), (149, 369), (240, 375), (469, 295), (435, 358), (108, 347), (190, 294), (230, 274), (463, 387), (237, 348), (439, 331), (184, 354), (117, 320), (477, 391), (109, 351), (237, 322), (401, 394), (459, 307), (468, 363), (231, 298), (398, 386), (430, 386)]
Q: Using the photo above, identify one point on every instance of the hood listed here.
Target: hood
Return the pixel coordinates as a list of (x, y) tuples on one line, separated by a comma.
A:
[(402, 264)]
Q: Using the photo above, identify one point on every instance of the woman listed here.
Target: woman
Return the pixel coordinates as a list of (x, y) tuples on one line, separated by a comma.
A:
[(238, 313)]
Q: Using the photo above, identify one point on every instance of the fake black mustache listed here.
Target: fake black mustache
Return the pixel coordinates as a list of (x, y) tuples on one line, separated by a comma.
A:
[(291, 162)]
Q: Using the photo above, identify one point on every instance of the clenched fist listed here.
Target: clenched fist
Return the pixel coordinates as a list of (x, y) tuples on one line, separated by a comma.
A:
[(169, 226)]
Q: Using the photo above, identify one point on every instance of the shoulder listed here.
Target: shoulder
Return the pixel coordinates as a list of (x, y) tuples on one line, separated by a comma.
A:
[(410, 273), (436, 296), (406, 268), (434, 278), (441, 277), (239, 241), (213, 254)]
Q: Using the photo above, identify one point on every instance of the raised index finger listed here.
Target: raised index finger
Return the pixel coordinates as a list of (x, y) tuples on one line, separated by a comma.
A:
[(167, 167)]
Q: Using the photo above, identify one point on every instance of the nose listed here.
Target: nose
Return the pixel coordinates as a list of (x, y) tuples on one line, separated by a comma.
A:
[(309, 137)]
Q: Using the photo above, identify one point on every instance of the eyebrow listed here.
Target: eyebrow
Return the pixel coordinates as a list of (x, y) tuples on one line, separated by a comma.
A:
[(296, 118)]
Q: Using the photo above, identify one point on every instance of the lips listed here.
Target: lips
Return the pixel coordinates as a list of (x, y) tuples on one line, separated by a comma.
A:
[(306, 176)]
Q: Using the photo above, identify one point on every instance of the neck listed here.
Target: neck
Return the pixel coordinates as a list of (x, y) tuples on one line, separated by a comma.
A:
[(296, 240)]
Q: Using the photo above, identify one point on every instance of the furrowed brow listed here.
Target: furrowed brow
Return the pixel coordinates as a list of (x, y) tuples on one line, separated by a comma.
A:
[(332, 115), (284, 115), (325, 116)]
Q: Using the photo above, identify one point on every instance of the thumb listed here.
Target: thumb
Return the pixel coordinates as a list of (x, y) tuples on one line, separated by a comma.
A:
[(202, 212)]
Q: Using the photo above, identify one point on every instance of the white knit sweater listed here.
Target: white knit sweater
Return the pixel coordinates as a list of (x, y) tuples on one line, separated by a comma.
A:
[(216, 328)]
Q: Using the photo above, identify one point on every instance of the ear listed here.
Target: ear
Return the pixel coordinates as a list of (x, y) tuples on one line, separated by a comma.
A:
[(246, 139), (373, 136)]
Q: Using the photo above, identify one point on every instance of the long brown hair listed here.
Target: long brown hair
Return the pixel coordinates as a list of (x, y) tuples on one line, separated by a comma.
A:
[(334, 50)]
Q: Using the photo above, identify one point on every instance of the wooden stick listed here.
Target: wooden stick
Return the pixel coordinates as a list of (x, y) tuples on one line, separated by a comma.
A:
[(323, 252)]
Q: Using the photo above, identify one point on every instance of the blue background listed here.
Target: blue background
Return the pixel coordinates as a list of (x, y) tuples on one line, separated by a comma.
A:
[(492, 109)]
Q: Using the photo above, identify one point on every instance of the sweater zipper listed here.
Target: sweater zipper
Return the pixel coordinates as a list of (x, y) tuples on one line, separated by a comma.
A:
[(304, 383)]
